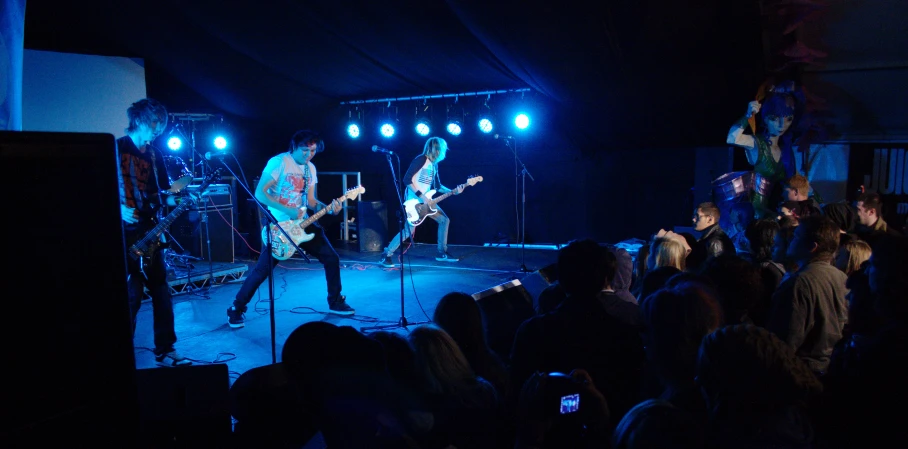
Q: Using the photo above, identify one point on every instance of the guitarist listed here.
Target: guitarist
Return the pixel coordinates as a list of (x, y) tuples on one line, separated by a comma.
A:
[(288, 186), (143, 177), (421, 177)]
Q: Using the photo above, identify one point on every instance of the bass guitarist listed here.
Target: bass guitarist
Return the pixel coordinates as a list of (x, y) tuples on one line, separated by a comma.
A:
[(288, 187), (421, 177), (143, 179)]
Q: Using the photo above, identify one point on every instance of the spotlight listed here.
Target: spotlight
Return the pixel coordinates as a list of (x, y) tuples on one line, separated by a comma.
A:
[(423, 128), (353, 130), (454, 127), (522, 121), (387, 129), (220, 142), (174, 143), (485, 125)]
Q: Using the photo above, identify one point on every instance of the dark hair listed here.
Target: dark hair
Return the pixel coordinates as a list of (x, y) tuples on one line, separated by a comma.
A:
[(738, 283), (144, 112), (823, 232), (889, 281), (751, 367), (871, 200), (762, 234), (842, 214), (710, 209), (582, 267), (306, 137)]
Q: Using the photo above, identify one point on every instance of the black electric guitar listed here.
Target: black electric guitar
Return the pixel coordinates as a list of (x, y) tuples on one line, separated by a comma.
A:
[(417, 210), (143, 250)]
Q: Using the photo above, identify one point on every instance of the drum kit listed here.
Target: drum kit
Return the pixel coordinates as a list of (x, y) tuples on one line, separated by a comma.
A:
[(179, 174)]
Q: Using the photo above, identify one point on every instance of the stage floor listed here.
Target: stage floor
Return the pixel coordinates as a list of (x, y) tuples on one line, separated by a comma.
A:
[(300, 296)]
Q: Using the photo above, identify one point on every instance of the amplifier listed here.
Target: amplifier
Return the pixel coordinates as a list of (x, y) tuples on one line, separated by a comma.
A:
[(216, 194)]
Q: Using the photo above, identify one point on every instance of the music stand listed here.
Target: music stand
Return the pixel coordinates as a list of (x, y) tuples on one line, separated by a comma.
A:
[(401, 214), (271, 220)]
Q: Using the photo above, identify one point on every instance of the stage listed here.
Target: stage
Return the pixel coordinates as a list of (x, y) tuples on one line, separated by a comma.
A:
[(300, 295)]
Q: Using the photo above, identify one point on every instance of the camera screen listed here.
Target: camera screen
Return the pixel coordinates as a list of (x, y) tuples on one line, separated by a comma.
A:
[(570, 403)]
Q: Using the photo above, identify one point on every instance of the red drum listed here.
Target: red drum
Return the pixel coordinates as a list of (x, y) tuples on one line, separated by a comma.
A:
[(178, 173)]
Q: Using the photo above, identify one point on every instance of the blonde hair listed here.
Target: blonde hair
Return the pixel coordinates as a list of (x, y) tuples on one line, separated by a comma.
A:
[(433, 147), (858, 252), (668, 253)]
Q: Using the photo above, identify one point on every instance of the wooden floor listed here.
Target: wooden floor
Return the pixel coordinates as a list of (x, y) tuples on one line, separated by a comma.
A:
[(300, 296)]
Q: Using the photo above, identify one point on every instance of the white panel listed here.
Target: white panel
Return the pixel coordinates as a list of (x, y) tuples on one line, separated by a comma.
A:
[(79, 93)]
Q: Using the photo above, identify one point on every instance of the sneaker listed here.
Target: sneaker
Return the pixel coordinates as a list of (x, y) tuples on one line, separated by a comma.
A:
[(445, 257), (171, 358), (340, 307), (235, 318), (387, 262)]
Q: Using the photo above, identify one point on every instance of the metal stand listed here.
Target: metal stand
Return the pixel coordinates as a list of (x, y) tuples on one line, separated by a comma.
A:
[(404, 228), (521, 226), (271, 221)]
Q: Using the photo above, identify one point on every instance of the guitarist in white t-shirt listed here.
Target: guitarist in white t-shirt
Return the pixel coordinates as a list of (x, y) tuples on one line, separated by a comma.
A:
[(288, 187), (421, 177)]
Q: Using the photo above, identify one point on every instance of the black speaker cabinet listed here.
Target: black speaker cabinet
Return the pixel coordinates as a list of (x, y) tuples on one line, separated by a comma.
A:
[(372, 225), (189, 405), (504, 308), (71, 381), (191, 232)]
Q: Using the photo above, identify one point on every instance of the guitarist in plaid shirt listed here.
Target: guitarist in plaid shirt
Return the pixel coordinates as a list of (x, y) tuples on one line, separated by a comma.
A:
[(143, 177)]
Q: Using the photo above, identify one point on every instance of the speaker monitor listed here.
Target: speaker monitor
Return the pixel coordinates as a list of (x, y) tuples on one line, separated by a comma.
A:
[(372, 225), (187, 404), (73, 379), (538, 280), (190, 231), (504, 308)]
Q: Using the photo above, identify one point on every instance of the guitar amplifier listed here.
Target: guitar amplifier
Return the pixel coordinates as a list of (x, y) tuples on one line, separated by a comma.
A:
[(216, 195)]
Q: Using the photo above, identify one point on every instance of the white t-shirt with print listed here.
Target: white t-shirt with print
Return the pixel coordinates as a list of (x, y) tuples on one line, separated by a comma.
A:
[(291, 182)]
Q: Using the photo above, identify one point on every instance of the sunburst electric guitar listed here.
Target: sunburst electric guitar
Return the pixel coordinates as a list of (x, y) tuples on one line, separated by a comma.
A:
[(281, 248), (417, 210)]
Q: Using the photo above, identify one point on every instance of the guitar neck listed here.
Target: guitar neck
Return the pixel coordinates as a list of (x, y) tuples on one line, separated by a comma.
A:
[(437, 199), (169, 219), (313, 217)]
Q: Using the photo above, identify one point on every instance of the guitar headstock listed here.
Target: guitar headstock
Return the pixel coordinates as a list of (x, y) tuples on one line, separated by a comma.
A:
[(472, 181), (354, 192), (211, 178)]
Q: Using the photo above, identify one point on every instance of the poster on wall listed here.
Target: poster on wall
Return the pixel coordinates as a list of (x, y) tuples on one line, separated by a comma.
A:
[(881, 168)]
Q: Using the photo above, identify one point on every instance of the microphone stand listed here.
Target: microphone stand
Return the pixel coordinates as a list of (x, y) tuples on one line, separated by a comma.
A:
[(523, 210), (401, 214), (271, 221)]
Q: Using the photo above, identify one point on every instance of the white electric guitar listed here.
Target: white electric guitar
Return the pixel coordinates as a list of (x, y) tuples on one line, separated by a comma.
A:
[(417, 210), (281, 248)]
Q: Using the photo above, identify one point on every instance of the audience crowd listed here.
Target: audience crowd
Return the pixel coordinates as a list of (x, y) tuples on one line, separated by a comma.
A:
[(785, 332)]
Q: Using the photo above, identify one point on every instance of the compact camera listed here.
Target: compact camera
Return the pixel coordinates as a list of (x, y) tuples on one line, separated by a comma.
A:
[(562, 393)]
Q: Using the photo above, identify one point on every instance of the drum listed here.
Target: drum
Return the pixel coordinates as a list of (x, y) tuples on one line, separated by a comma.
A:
[(178, 173)]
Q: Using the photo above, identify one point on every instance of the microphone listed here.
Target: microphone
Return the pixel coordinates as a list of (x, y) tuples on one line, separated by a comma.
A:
[(210, 155), (503, 137), (378, 149)]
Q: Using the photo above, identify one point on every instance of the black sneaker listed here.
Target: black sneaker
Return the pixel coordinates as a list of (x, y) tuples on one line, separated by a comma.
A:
[(340, 307), (445, 257), (171, 359), (235, 318), (387, 262)]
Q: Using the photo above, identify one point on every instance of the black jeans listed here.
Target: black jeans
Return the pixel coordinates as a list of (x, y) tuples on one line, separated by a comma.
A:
[(319, 247), (161, 300)]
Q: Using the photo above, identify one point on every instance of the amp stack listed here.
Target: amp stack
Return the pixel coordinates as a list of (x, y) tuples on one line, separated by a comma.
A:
[(211, 217)]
